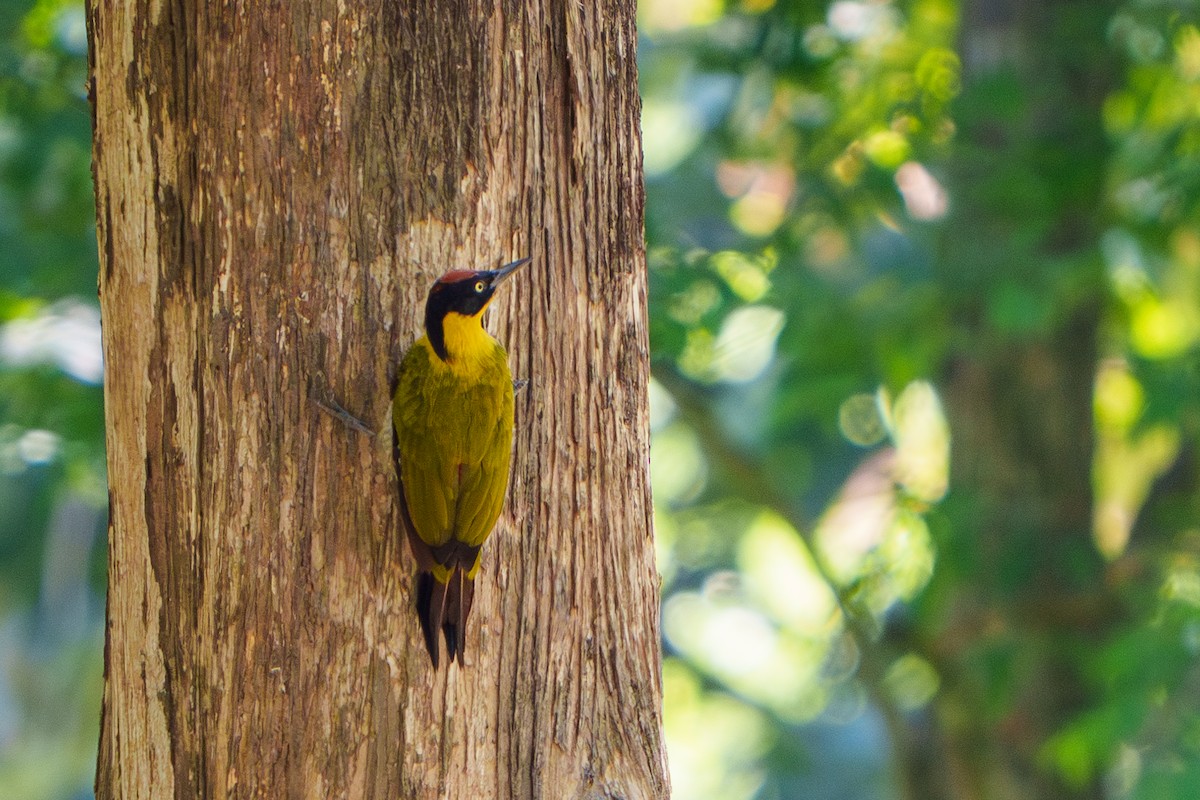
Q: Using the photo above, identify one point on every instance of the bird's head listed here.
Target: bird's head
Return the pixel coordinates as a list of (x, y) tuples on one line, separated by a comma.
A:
[(464, 293)]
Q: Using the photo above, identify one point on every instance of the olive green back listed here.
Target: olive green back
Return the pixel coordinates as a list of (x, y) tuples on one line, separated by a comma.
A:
[(454, 432)]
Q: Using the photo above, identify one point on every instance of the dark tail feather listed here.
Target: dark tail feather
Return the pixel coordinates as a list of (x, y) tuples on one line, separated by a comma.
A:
[(461, 596), (445, 607), (431, 608)]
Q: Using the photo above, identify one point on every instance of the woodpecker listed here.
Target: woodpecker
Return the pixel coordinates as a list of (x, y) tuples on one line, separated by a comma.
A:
[(453, 416)]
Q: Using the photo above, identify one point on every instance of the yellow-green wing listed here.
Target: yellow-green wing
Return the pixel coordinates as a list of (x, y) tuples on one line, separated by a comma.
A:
[(454, 437), (485, 478), (425, 466)]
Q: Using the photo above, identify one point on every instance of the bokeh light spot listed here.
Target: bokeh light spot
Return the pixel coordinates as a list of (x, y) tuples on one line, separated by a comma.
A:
[(922, 437), (887, 149), (669, 16), (746, 276), (924, 198), (781, 576), (746, 344), (859, 420), (715, 743), (1119, 397), (670, 131), (37, 447), (1163, 330), (65, 334), (677, 466), (911, 681)]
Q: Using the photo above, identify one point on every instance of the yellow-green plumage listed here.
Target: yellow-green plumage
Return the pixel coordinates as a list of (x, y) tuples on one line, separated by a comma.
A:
[(453, 416), (454, 431)]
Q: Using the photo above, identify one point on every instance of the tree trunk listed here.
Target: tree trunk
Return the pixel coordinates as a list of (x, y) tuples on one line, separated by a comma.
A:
[(1027, 285), (276, 188)]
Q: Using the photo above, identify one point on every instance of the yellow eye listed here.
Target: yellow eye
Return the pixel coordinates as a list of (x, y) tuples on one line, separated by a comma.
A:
[(480, 286)]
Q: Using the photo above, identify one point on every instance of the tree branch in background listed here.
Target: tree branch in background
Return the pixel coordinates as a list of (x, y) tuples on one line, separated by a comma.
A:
[(750, 479)]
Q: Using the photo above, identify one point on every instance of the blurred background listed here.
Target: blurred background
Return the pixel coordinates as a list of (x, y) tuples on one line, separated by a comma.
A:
[(925, 308), (53, 498), (925, 297)]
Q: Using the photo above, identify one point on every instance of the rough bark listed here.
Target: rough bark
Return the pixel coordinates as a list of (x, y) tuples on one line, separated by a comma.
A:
[(277, 185)]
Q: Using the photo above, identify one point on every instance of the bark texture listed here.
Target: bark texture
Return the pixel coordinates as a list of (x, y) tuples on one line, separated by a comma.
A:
[(277, 185)]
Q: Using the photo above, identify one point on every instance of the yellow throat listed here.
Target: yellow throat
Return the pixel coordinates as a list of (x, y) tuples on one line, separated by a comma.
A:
[(467, 343)]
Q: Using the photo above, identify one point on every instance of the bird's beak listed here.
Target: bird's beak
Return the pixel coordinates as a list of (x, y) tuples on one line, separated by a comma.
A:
[(499, 275)]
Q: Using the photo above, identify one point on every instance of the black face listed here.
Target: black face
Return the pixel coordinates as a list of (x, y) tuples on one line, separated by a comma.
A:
[(466, 296), (461, 292)]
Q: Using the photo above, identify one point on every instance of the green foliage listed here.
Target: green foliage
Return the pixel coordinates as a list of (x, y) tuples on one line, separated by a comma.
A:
[(49, 339), (842, 216), (52, 492)]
